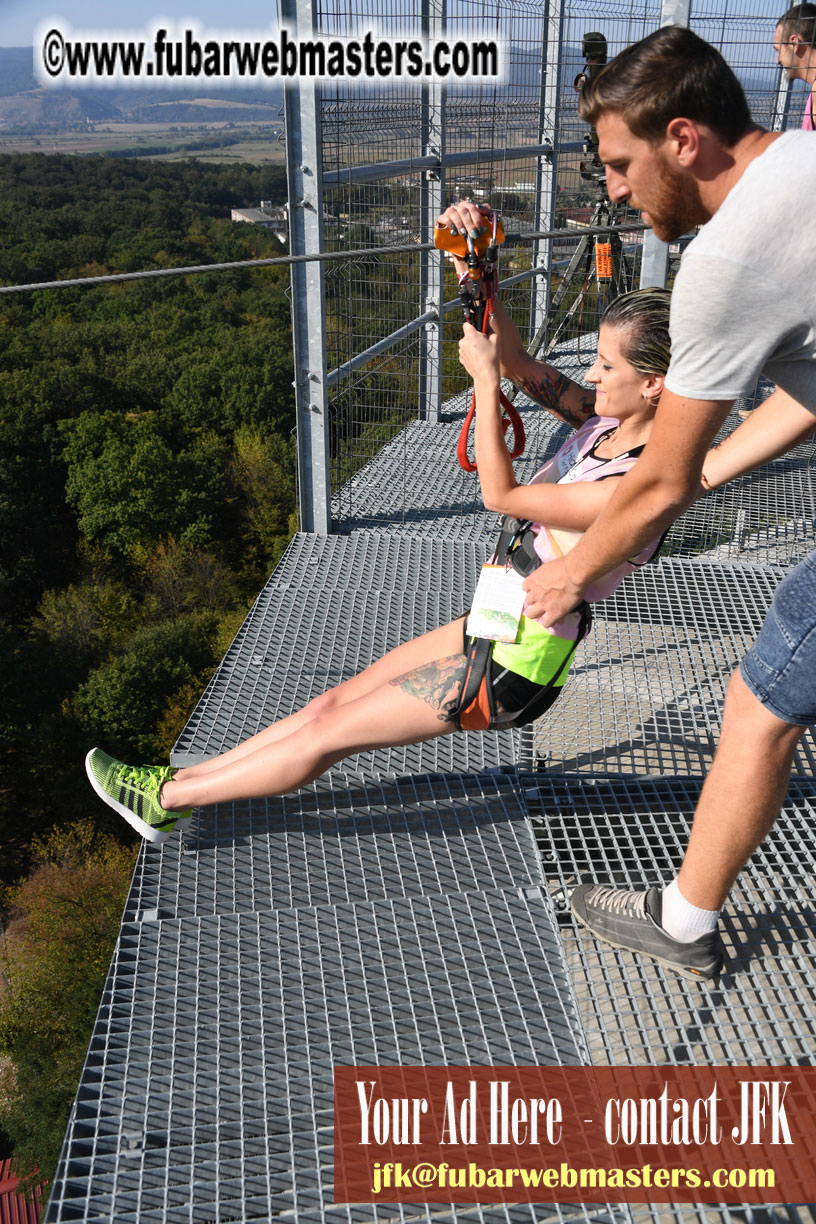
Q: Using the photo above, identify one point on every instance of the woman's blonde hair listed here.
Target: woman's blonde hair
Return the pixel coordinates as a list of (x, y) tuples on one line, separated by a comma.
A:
[(642, 317)]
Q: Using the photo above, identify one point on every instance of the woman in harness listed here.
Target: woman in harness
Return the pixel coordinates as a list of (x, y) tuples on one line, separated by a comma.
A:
[(418, 691)]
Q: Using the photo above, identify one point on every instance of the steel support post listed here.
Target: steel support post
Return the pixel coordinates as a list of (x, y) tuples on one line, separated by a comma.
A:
[(654, 263), (303, 172), (547, 167), (654, 267), (784, 93), (431, 205)]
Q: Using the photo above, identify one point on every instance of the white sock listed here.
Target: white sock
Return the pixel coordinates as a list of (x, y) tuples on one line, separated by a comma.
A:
[(681, 919)]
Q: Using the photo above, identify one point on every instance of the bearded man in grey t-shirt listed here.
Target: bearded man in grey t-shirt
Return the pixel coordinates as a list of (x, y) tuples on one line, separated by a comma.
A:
[(678, 142)]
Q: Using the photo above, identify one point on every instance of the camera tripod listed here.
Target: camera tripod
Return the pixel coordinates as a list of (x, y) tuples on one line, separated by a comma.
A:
[(597, 260)]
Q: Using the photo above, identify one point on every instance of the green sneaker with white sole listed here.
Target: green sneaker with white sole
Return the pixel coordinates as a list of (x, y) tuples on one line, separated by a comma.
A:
[(133, 792)]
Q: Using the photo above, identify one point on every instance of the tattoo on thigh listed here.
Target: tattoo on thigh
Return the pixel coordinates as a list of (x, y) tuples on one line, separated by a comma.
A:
[(439, 683)]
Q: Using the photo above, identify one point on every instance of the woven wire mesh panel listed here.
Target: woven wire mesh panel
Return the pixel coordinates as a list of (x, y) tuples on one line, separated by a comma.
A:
[(416, 484), (363, 124), (208, 1089), (336, 844), (632, 832), (498, 115), (372, 405), (742, 31), (646, 689), (621, 22)]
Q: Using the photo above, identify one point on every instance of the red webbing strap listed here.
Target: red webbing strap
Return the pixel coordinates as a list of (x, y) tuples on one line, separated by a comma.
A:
[(511, 417)]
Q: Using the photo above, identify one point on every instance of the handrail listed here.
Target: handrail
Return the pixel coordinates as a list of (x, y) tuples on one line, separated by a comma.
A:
[(282, 260), (382, 170)]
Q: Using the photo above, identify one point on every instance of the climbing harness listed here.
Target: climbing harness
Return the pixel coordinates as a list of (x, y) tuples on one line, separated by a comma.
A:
[(477, 289), (476, 708)]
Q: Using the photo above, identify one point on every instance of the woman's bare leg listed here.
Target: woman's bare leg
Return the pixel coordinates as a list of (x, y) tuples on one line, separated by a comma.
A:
[(437, 643), (406, 709)]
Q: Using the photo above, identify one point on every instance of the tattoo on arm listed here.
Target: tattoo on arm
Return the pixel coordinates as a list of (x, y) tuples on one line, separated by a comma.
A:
[(439, 683), (549, 389)]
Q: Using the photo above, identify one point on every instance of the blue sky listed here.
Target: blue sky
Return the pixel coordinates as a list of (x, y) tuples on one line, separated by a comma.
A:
[(19, 18)]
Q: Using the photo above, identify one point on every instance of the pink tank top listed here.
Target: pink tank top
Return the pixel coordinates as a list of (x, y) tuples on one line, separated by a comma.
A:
[(807, 118), (575, 461)]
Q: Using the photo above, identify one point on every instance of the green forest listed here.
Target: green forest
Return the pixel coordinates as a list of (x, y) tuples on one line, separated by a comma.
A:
[(147, 488)]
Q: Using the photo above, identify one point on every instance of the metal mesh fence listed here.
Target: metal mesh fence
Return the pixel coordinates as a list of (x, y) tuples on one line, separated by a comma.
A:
[(478, 129), (368, 299), (744, 34)]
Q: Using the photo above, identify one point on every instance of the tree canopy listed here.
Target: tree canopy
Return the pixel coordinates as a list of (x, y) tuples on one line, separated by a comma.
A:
[(64, 920), (147, 463), (147, 488)]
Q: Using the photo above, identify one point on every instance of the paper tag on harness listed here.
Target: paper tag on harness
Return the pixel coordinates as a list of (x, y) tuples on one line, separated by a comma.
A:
[(569, 460), (498, 602)]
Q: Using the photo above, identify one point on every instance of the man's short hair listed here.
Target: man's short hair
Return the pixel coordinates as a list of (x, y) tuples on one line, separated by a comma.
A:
[(668, 75), (801, 20)]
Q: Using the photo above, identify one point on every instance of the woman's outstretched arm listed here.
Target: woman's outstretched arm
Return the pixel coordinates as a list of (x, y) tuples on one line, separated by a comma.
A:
[(572, 507), (771, 430)]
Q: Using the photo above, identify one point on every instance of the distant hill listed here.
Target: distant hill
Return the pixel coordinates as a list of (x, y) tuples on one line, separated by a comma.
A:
[(16, 71), (24, 103)]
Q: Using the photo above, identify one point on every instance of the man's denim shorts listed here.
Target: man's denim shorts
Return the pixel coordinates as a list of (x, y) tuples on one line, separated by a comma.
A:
[(780, 667)]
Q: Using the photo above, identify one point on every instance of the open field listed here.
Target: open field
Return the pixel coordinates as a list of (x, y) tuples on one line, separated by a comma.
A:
[(256, 143)]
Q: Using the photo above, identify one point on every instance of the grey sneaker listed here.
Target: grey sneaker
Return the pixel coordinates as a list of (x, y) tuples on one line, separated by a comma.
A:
[(632, 920)]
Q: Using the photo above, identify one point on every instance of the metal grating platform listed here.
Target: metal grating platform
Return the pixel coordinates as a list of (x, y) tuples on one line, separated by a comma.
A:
[(645, 692), (415, 836), (375, 917), (631, 830), (208, 1091)]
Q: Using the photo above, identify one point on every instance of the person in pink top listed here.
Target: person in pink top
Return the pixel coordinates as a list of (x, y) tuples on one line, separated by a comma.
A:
[(459, 676), (795, 47)]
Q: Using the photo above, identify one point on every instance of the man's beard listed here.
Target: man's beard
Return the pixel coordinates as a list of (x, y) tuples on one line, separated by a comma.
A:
[(677, 207)]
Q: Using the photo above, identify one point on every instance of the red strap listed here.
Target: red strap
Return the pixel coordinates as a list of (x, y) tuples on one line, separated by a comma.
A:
[(511, 416)]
